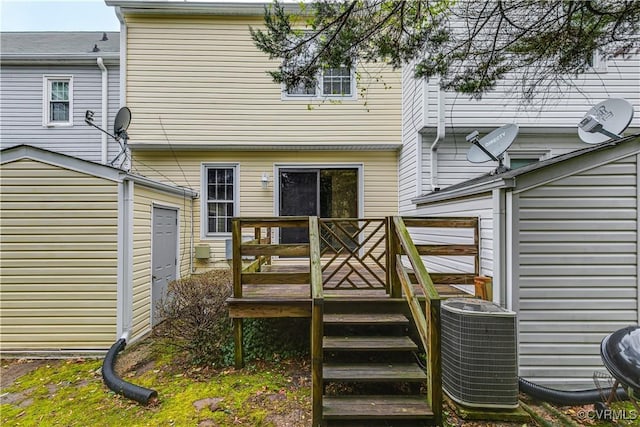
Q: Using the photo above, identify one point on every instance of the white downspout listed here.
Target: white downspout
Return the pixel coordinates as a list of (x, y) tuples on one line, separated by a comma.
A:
[(440, 132), (105, 110)]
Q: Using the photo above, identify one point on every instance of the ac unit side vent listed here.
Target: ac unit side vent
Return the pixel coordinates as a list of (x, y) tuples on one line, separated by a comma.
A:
[(479, 356)]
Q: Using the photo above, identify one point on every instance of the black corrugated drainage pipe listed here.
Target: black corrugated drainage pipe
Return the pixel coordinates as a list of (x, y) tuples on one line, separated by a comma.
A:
[(562, 397), (117, 384)]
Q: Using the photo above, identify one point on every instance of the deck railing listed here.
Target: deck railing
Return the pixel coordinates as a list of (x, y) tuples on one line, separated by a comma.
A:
[(317, 322), (427, 322), (353, 253), (262, 249)]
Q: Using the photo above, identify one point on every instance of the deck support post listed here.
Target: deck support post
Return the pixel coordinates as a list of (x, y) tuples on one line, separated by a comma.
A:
[(393, 249), (237, 340)]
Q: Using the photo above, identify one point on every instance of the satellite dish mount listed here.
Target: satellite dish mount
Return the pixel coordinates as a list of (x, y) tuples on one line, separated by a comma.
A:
[(120, 126), (492, 146)]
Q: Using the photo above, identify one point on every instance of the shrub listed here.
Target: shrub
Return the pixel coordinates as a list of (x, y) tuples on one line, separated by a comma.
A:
[(195, 316), (273, 339)]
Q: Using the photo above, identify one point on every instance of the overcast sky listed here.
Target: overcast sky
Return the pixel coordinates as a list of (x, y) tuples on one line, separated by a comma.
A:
[(57, 15)]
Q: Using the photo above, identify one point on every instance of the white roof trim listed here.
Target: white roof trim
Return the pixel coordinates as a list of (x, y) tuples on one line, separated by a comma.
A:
[(22, 152), (197, 7), (58, 58), (255, 147), (471, 190), (156, 185)]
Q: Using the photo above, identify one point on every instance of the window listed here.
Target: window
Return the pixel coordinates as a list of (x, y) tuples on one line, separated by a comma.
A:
[(219, 198), (331, 82), (521, 158), (336, 81), (598, 62), (58, 101)]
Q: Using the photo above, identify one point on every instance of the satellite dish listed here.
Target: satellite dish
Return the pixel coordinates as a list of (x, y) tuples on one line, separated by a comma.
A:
[(122, 121), (605, 120), (492, 145), (120, 125)]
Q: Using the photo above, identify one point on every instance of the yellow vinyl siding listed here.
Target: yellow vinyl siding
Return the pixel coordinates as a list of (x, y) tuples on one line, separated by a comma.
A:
[(202, 79), (58, 253), (144, 200), (184, 168)]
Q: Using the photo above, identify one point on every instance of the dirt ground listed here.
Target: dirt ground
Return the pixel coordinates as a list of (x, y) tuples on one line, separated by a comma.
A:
[(12, 369)]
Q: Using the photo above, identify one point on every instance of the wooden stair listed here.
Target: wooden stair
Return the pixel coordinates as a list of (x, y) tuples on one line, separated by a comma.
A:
[(370, 374)]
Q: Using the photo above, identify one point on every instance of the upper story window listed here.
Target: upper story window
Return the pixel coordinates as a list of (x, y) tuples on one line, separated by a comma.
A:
[(520, 158), (598, 62), (337, 83), (219, 198), (58, 101)]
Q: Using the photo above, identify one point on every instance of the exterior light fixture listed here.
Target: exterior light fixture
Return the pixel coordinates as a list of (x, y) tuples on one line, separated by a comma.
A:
[(264, 180)]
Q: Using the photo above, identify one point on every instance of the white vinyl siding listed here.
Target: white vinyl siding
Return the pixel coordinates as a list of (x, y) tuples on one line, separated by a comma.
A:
[(22, 116), (454, 168), (412, 121), (59, 259), (477, 206), (578, 271), (562, 104)]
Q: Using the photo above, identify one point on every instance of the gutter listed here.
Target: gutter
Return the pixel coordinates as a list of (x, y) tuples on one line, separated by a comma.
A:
[(232, 8), (440, 133), (57, 58), (105, 110), (471, 190)]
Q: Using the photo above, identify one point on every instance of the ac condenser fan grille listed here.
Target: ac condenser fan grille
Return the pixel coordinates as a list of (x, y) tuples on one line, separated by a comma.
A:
[(479, 358)]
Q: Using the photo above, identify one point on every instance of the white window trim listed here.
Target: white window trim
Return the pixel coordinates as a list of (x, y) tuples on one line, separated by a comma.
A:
[(46, 80), (599, 62), (319, 96), (526, 154), (204, 221)]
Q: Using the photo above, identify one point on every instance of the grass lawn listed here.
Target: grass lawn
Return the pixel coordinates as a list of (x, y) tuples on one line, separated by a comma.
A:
[(71, 393), (277, 394)]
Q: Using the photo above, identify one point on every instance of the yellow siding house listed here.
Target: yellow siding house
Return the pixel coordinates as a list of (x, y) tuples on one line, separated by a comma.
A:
[(206, 115), (74, 275)]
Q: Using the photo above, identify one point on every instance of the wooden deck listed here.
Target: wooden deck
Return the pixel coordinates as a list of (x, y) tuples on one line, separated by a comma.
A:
[(352, 272), (294, 300)]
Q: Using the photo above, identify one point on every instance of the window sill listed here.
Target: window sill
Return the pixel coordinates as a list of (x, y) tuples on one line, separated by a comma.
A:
[(216, 236), (58, 125), (285, 97)]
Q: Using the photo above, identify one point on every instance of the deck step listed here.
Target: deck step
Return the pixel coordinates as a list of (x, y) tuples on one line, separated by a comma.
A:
[(358, 343), (373, 372), (366, 319), (376, 408)]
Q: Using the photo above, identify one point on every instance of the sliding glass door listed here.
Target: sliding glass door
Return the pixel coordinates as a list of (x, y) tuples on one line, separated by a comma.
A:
[(324, 192)]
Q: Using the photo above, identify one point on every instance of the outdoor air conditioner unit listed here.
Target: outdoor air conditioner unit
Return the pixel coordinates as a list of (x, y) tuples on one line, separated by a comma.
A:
[(479, 355)]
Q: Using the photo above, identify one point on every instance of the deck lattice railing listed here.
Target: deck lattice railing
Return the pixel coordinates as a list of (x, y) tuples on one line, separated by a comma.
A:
[(353, 253)]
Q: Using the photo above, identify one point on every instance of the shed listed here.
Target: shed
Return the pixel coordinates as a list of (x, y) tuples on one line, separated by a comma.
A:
[(79, 241), (560, 239)]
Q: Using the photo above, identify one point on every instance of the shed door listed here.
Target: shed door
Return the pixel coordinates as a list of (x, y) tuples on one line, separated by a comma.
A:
[(164, 255)]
